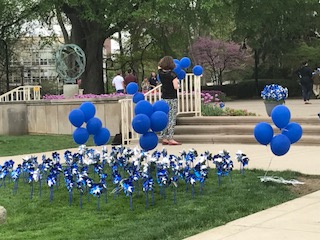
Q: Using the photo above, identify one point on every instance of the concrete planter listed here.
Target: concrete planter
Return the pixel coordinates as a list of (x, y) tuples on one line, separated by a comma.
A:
[(270, 105)]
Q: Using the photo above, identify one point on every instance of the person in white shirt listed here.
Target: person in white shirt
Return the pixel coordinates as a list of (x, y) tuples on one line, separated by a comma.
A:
[(118, 83)]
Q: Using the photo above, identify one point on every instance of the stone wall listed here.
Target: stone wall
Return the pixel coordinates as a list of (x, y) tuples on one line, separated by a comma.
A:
[(13, 119), (51, 117)]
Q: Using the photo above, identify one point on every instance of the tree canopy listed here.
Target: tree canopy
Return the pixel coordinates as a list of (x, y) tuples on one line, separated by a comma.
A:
[(273, 29)]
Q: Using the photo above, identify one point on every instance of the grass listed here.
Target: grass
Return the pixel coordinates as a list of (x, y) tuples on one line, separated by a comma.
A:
[(40, 219), (26, 144)]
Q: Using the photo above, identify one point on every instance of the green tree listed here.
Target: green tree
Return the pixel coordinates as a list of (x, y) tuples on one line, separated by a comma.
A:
[(272, 28), (13, 14)]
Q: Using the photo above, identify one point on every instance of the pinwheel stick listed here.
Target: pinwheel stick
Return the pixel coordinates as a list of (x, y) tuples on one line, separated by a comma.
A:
[(131, 202), (192, 190), (51, 193), (81, 199), (219, 180), (15, 187), (201, 187), (242, 169), (98, 206), (70, 198), (31, 192), (40, 188), (147, 199), (3, 182), (152, 197), (174, 195)]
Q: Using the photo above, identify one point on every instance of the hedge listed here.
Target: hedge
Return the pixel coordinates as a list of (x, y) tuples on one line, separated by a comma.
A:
[(247, 88)]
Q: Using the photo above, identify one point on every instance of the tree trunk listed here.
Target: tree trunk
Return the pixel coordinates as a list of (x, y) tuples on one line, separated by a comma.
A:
[(89, 36)]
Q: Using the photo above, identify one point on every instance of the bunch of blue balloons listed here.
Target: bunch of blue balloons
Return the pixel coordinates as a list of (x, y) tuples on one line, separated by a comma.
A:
[(291, 132), (85, 114), (185, 62), (148, 120)]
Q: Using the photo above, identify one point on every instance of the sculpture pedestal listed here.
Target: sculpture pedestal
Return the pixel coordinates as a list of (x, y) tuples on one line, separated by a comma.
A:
[(69, 90)]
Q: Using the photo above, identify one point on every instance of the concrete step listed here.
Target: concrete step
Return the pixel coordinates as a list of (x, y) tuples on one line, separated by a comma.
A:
[(245, 129), (235, 120), (243, 139)]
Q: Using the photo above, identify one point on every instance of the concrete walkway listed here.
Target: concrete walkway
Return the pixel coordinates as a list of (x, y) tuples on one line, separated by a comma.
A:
[(296, 106), (295, 220)]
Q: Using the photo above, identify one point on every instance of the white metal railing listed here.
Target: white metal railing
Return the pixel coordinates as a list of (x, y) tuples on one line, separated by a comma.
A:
[(22, 93), (127, 110), (189, 101)]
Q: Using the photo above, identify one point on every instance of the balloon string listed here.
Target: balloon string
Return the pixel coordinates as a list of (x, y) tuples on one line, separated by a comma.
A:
[(268, 165)]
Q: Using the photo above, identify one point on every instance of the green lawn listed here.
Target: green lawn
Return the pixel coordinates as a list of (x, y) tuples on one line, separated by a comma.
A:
[(40, 219), (26, 144)]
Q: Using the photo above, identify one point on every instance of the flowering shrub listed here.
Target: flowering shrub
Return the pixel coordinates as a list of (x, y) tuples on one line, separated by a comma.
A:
[(111, 95), (274, 92), (212, 97)]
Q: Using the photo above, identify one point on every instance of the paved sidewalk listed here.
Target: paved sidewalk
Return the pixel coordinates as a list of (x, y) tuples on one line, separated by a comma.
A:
[(296, 106), (298, 219)]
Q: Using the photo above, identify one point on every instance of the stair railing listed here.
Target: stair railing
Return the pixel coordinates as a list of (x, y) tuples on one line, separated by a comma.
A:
[(22, 93), (189, 102)]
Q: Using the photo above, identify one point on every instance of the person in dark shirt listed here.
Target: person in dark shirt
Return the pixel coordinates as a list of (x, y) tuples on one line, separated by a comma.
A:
[(305, 75), (153, 80), (170, 84), (129, 78)]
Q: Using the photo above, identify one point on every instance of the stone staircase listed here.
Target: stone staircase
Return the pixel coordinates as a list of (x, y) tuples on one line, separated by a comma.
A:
[(238, 129)]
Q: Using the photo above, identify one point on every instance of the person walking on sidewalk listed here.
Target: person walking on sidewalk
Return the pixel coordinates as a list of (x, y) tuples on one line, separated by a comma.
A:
[(316, 82), (305, 76)]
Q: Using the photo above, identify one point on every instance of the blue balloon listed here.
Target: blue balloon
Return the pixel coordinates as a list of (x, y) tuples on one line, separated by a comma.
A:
[(185, 62), (293, 131), (102, 137), (263, 133), (143, 107), (137, 97), (161, 105), (76, 117), (159, 121), (177, 69), (88, 109), (148, 141), (80, 136), (141, 123), (94, 125), (132, 88), (281, 116), (280, 145), (181, 75), (176, 61), (197, 70)]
